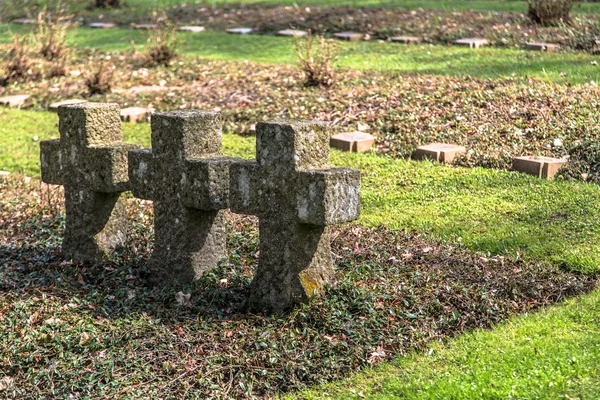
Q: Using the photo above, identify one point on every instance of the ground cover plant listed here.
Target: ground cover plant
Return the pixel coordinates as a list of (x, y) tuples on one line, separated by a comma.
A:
[(100, 330)]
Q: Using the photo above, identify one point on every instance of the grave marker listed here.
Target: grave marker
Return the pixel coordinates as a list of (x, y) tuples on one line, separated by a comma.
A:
[(406, 39), (102, 25), (134, 114), (440, 152), (473, 43), (549, 47), (194, 29), (542, 167), (54, 106), (188, 179), (350, 36), (292, 32), (90, 160), (352, 141), (14, 101), (296, 196), (240, 31)]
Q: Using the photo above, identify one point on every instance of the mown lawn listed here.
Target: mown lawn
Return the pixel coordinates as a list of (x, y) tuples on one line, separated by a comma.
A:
[(495, 211), (553, 354)]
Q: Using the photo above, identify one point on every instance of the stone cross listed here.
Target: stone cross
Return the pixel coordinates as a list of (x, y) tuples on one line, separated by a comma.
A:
[(188, 179), (296, 196), (90, 160)]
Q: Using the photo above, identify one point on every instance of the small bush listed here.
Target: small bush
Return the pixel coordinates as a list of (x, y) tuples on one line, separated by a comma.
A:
[(98, 79), (161, 46), (19, 65), (550, 12), (316, 57), (58, 68), (50, 33), (107, 3)]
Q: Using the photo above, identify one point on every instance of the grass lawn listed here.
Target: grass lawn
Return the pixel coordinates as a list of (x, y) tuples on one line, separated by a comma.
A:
[(552, 354), (489, 210), (576, 68)]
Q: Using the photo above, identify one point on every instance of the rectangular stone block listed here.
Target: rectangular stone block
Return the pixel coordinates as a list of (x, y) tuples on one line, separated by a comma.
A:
[(473, 43), (140, 173), (292, 32), (352, 141), (350, 36), (51, 162), (240, 31), (146, 27), (134, 114), (194, 29), (90, 124), (542, 167), (54, 106), (102, 25), (328, 197), (246, 188), (549, 47), (206, 184), (440, 152), (14, 101), (107, 168), (406, 39)]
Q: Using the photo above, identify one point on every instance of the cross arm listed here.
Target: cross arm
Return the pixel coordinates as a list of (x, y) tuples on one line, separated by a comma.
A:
[(51, 162), (328, 196), (245, 188), (140, 171), (205, 183), (106, 168)]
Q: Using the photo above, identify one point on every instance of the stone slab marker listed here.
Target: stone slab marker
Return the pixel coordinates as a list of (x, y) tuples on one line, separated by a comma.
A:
[(296, 196), (90, 160), (542, 167), (188, 179), (440, 152)]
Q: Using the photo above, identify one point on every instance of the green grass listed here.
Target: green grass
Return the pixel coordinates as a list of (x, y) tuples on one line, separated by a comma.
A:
[(489, 210), (575, 68), (553, 354)]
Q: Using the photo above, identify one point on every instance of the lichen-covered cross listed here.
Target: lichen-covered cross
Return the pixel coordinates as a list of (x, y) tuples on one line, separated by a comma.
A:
[(188, 179), (296, 196), (90, 160)]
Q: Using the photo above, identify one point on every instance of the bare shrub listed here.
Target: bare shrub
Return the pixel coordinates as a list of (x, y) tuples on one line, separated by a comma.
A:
[(107, 3), (58, 68), (550, 12), (19, 65), (316, 57), (98, 79), (161, 46), (50, 33)]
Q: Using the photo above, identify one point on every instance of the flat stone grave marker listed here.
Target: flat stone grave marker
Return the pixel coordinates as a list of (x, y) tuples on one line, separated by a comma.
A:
[(542, 167), (240, 31), (549, 47), (194, 29), (292, 32), (350, 36), (187, 177), (14, 101), (147, 27), (440, 152), (102, 25), (296, 196), (352, 141), (24, 21), (407, 39), (54, 106), (90, 160), (473, 43), (134, 114)]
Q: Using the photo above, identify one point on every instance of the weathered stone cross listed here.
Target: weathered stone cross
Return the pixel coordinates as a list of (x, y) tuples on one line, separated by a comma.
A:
[(188, 179), (296, 196), (90, 160)]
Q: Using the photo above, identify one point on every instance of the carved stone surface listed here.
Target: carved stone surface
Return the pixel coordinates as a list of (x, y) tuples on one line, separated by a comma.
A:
[(188, 179), (440, 152), (90, 160), (296, 196)]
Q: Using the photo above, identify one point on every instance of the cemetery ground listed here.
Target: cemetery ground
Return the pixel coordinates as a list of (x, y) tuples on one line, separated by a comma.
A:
[(438, 251)]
